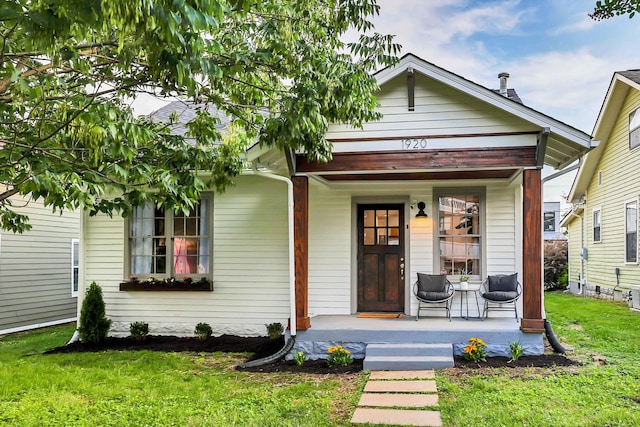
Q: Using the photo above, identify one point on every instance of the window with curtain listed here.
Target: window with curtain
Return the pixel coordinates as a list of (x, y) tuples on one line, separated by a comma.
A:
[(166, 244), (631, 232), (460, 234)]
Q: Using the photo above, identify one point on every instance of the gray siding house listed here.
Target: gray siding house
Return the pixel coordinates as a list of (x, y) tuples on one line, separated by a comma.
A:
[(39, 270)]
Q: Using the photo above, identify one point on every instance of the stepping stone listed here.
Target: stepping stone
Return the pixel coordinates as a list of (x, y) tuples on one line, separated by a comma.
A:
[(397, 417), (398, 400), (428, 386), (401, 375)]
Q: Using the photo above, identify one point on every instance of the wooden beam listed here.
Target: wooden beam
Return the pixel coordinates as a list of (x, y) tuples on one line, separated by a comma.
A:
[(424, 176), (541, 147), (301, 244), (486, 158), (532, 252)]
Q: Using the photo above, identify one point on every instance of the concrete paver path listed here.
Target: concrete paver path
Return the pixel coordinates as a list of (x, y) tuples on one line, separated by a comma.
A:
[(399, 398)]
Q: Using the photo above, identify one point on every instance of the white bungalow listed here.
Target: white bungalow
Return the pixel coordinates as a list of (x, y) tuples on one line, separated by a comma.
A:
[(326, 248)]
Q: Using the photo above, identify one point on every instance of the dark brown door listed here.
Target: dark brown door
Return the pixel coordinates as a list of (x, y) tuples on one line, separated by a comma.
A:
[(381, 257)]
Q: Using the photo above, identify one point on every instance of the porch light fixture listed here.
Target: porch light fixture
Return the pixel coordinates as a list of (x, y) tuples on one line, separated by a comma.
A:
[(421, 213)]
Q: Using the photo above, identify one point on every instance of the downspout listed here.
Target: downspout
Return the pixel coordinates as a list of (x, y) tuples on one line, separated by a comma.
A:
[(292, 276), (548, 330)]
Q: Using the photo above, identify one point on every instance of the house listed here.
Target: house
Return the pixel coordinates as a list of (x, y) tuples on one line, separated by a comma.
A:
[(551, 222), (448, 181), (603, 222), (39, 269)]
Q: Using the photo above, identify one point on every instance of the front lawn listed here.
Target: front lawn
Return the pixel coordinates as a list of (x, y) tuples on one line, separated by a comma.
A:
[(144, 388), (605, 391)]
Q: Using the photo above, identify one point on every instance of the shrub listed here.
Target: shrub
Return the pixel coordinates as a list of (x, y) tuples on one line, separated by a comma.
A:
[(555, 264), (516, 350), (475, 351), (339, 356), (203, 330), (299, 357), (274, 330), (139, 330), (94, 325)]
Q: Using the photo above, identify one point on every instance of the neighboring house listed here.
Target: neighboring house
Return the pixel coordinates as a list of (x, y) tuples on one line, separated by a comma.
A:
[(551, 222), (603, 222), (39, 269), (313, 244)]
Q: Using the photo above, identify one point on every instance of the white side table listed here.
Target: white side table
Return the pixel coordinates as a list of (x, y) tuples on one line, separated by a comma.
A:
[(464, 295)]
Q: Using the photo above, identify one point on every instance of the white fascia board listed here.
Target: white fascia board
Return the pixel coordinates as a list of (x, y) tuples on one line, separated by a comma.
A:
[(484, 94)]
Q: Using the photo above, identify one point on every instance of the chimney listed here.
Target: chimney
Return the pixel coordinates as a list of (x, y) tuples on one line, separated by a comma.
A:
[(503, 83)]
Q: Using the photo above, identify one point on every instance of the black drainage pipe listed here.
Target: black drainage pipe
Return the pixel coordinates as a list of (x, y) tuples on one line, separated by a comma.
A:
[(273, 358), (555, 344)]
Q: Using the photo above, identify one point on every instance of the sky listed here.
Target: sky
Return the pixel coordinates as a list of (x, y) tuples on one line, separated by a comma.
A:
[(559, 60)]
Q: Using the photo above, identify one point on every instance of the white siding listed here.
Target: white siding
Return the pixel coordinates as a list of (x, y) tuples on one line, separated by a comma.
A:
[(330, 236), (35, 268), (501, 226), (250, 268), (439, 110), (420, 234)]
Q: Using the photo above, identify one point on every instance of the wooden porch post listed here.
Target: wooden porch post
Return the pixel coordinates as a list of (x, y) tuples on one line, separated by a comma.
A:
[(532, 252), (301, 242)]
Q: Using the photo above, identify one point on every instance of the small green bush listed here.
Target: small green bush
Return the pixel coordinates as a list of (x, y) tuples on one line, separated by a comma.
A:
[(139, 330), (516, 350), (94, 324), (274, 330), (299, 357), (203, 330)]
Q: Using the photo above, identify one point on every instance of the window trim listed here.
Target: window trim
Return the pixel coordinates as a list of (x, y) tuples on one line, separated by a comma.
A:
[(169, 216), (634, 129), (466, 191), (544, 220), (75, 286), (593, 211), (626, 203)]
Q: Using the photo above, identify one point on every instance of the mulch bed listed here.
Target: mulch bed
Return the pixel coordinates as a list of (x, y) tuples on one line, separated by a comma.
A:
[(264, 346)]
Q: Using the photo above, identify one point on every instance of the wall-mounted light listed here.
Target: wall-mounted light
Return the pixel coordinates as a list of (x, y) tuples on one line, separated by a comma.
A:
[(421, 213)]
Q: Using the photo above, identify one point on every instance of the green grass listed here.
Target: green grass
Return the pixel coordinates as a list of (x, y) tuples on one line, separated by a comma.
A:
[(594, 394), (179, 389), (157, 389)]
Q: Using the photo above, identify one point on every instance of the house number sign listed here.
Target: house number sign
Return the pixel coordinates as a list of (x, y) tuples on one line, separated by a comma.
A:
[(414, 143)]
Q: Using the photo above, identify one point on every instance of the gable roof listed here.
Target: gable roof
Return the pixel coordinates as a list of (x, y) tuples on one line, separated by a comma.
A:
[(565, 144), (186, 111), (621, 83)]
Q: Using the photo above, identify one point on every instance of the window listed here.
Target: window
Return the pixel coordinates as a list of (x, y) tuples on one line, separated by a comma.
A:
[(549, 221), (631, 232), (459, 234), (634, 129), (75, 266), (597, 225), (165, 244)]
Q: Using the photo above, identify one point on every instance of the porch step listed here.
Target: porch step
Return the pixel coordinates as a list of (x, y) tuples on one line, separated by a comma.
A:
[(408, 357)]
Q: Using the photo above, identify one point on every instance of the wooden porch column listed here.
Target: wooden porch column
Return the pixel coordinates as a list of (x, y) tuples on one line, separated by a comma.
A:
[(532, 252), (301, 243)]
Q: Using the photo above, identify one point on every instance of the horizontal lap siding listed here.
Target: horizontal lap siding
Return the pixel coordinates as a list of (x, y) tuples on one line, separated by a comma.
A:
[(439, 110), (250, 268), (620, 184), (329, 252), (421, 244), (35, 267), (501, 245), (575, 246)]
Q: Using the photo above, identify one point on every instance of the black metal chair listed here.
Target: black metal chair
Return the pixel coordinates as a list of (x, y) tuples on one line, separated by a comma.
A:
[(433, 290), (498, 290)]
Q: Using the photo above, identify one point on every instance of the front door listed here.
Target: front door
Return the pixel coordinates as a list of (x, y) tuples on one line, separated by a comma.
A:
[(381, 257)]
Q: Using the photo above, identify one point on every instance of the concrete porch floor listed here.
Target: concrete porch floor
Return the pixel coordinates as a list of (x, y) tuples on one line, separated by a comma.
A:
[(355, 333)]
